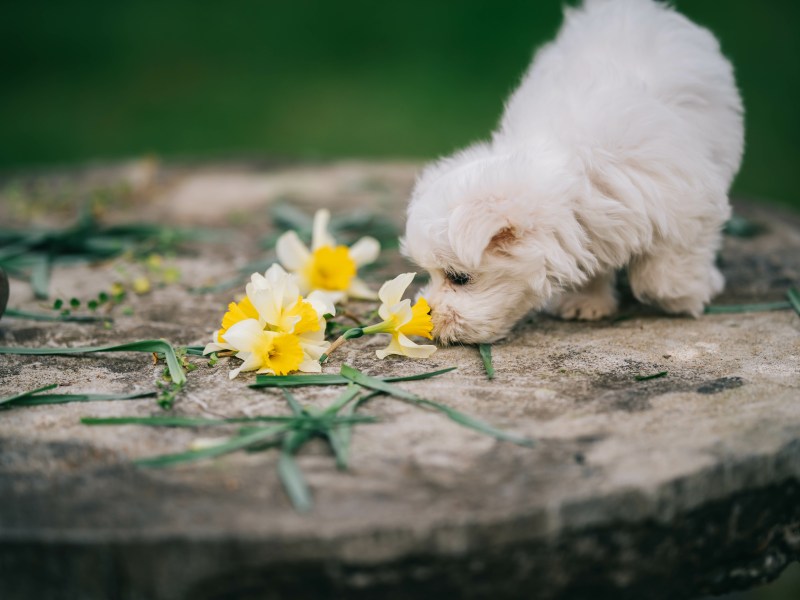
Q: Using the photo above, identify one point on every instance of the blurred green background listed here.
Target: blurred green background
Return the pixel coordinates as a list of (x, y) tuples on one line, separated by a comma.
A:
[(101, 79)]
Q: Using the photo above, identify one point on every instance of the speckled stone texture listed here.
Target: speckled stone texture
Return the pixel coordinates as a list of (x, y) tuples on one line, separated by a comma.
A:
[(668, 488)]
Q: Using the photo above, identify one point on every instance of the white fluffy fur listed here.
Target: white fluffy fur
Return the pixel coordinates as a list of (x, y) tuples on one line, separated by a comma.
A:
[(617, 150)]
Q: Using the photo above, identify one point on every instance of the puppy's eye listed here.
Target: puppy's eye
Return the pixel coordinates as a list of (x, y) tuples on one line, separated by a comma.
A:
[(458, 278)]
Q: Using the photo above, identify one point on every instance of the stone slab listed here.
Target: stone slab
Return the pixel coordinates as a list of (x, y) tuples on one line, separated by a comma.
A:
[(671, 487)]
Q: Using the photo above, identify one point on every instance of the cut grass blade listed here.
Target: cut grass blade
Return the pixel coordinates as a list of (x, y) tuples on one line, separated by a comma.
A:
[(293, 481), (794, 299), (194, 350), (486, 357), (341, 433), (307, 422), (40, 277), (270, 381), (297, 410), (651, 376), (65, 398), (35, 316), (286, 216), (239, 442), (338, 436), (351, 392), (27, 394), (462, 419), (176, 372), (715, 309), (36, 397)]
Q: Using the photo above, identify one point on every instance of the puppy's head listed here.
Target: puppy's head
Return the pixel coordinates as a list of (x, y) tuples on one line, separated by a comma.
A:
[(496, 234)]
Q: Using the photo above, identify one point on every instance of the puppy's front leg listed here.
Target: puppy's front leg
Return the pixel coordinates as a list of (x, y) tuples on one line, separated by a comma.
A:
[(595, 300), (679, 280)]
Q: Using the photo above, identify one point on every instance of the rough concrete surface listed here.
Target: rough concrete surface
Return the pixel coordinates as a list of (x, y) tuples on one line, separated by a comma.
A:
[(668, 488)]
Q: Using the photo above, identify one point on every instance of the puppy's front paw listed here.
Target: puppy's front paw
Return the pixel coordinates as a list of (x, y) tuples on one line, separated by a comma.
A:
[(584, 307)]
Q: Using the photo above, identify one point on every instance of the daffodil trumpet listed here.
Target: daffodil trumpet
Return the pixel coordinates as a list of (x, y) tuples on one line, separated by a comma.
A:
[(327, 267), (400, 320)]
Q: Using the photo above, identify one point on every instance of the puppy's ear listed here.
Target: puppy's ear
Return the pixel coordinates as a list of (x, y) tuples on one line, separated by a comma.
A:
[(476, 228)]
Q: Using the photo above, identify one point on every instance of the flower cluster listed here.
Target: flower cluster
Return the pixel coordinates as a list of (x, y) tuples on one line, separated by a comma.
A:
[(276, 330)]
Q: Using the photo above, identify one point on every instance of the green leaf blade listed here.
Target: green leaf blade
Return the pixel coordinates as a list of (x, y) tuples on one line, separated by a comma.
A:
[(237, 443), (716, 309), (365, 380), (290, 475), (658, 375), (29, 393), (486, 356), (794, 299)]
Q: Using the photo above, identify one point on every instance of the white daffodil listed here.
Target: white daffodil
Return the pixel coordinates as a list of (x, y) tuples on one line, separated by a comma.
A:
[(274, 329), (326, 266), (401, 320)]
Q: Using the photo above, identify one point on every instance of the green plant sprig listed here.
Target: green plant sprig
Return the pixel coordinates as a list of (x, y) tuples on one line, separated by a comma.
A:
[(290, 432), (31, 253), (174, 372)]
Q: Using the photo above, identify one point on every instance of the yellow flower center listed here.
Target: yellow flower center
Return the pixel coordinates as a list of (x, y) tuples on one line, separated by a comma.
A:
[(309, 320), (330, 268), (237, 312), (280, 352), (420, 323)]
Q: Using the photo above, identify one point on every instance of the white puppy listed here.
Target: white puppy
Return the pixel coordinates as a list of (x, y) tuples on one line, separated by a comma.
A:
[(617, 150)]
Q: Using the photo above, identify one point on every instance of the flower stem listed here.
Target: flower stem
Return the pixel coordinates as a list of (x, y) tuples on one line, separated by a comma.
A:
[(355, 332)]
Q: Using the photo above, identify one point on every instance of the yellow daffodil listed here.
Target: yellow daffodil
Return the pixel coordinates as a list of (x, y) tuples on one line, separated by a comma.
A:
[(274, 329), (401, 320), (327, 267)]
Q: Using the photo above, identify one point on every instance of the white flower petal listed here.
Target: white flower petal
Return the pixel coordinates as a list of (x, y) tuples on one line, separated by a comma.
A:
[(365, 251), (333, 297), (276, 272), (405, 347), (213, 347), (322, 303), (258, 282), (216, 345), (251, 363), (313, 349), (245, 335), (263, 301), (360, 290), (399, 314), (392, 291), (292, 252), (310, 366), (393, 348), (319, 235), (415, 350)]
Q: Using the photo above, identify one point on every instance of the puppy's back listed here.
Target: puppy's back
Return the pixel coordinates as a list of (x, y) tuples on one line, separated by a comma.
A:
[(617, 65)]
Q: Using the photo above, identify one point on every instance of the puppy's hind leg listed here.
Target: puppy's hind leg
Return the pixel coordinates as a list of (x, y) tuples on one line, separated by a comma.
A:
[(595, 300), (679, 280)]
